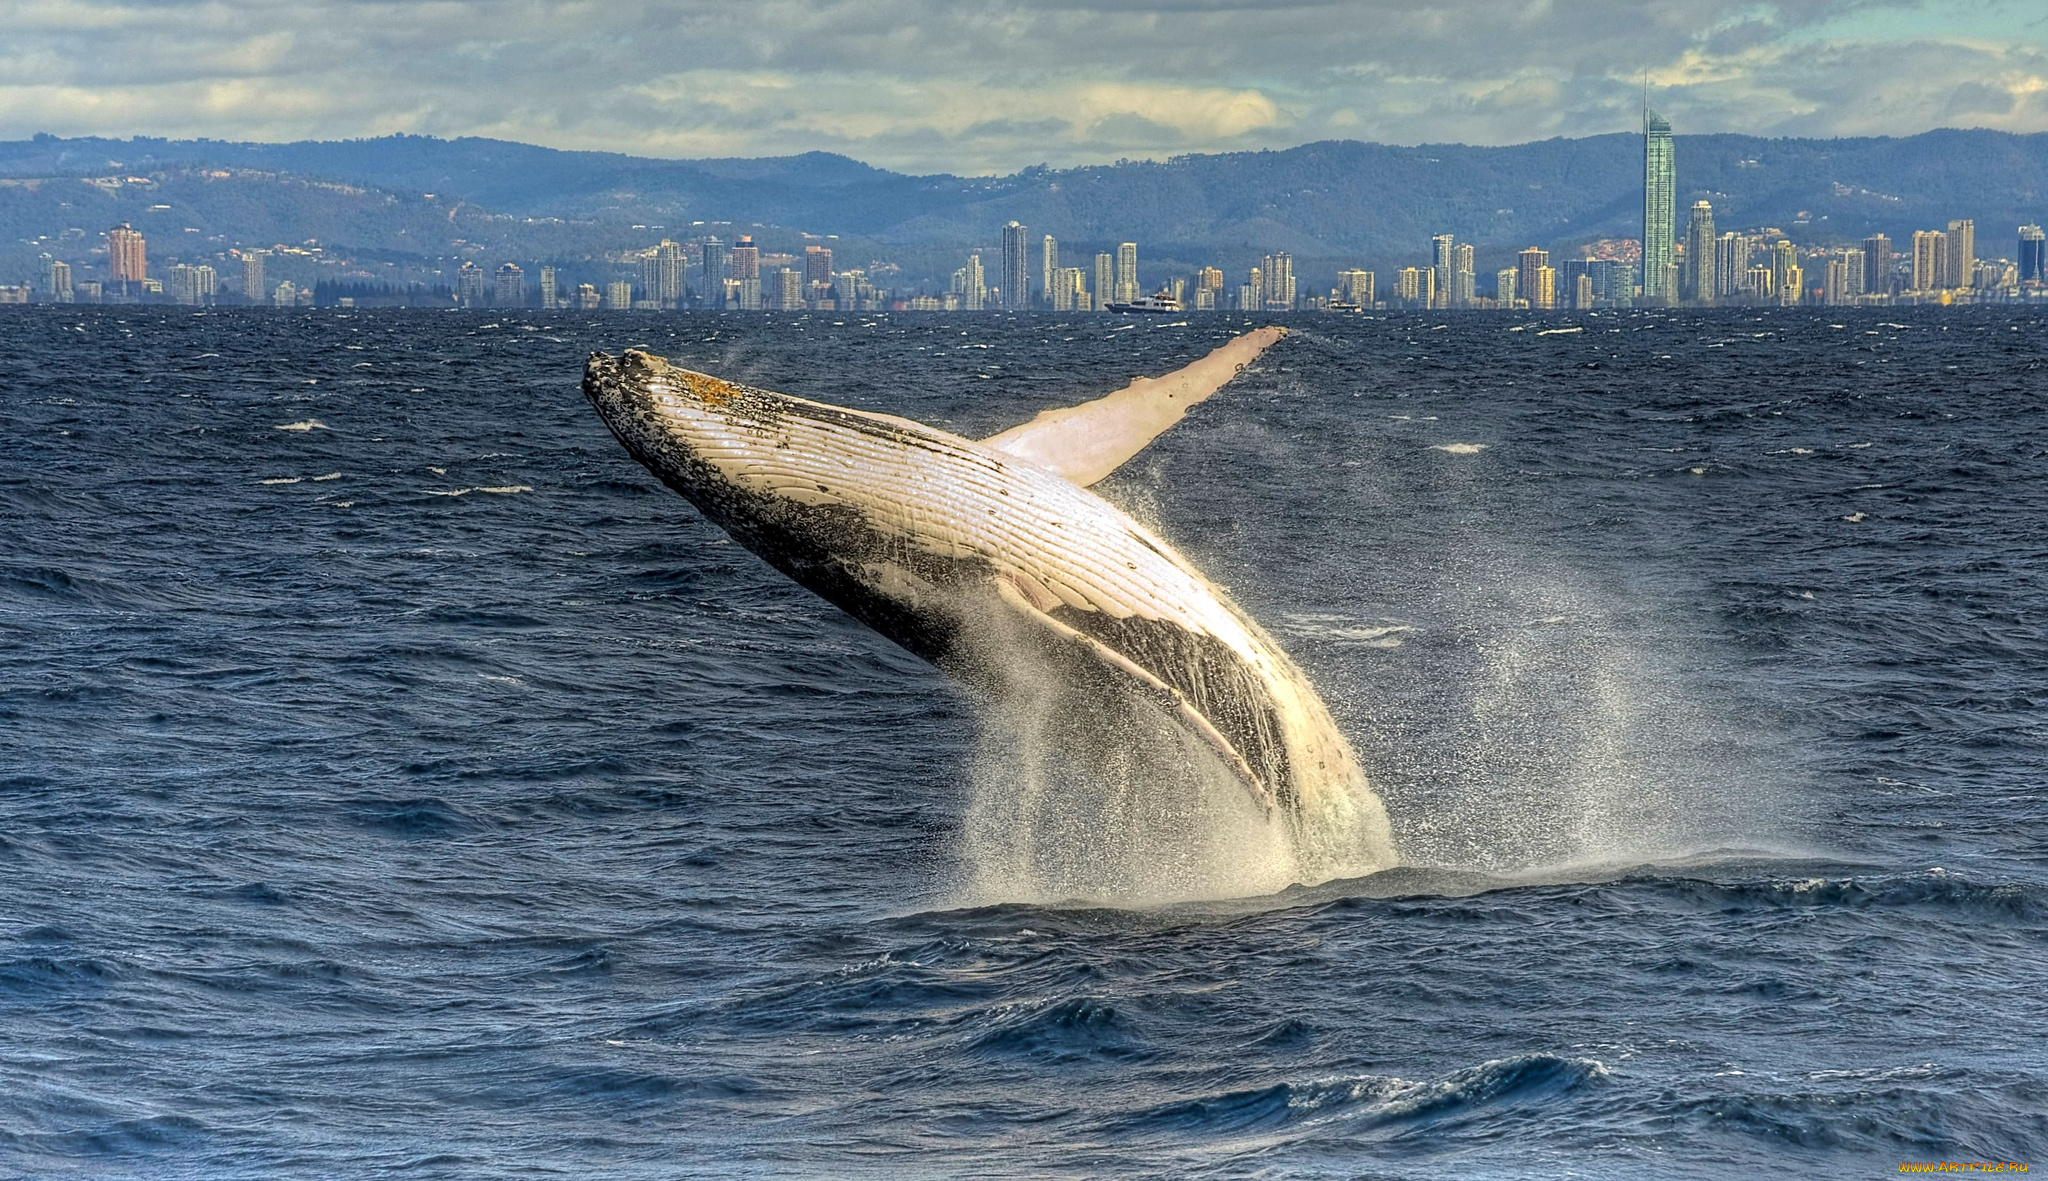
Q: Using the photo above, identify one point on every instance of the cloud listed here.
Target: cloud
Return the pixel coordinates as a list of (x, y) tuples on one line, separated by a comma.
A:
[(947, 85)]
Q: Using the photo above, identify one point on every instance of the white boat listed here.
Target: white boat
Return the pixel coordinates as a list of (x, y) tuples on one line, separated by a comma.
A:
[(1149, 305)]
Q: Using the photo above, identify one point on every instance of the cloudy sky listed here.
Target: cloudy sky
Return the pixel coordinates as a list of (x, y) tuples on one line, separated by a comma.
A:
[(977, 86)]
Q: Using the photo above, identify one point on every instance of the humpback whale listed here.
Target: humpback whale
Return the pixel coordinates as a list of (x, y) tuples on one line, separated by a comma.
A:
[(992, 560)]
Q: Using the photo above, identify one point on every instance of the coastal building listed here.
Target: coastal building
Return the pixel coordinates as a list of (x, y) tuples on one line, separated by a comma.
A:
[(469, 285), (1930, 259), (253, 286), (713, 269), (1127, 286), (1105, 280), (664, 275), (1660, 196), (1505, 281), (1962, 254), (286, 295), (1464, 285), (1701, 275), (127, 255), (508, 289), (1049, 267), (548, 294), (1731, 265), (1528, 281), (586, 297), (1068, 289), (1016, 285), (2033, 263), (1278, 273), (1209, 290), (1415, 287), (1355, 287), (1786, 276), (1442, 253), (1877, 265), (57, 278), (971, 285), (192, 286), (744, 260)]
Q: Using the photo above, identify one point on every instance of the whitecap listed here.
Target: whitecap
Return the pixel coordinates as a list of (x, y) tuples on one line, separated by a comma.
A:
[(1460, 448), (1559, 331), (310, 424), (506, 489), (1855, 518), (281, 480), (328, 476)]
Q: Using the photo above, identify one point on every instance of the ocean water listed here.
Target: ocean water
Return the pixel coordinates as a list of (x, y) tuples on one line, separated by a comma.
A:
[(396, 780)]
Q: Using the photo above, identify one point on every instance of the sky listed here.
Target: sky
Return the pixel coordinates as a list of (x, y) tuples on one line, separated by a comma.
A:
[(975, 87)]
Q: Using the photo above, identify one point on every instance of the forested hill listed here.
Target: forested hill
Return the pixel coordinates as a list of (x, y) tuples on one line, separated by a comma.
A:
[(1339, 201)]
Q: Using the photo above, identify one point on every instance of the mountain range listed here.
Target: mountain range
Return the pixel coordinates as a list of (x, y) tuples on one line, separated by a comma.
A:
[(414, 205)]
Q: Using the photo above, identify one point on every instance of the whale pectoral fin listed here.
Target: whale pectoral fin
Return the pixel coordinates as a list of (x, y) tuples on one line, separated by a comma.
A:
[(1019, 597), (1087, 442)]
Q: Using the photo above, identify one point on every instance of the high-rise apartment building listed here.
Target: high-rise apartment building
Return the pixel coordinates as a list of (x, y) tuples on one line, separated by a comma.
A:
[(714, 268), (1930, 259), (1209, 290), (1463, 279), (192, 285), (254, 289), (1105, 280), (1532, 262), (509, 288), (1068, 289), (1877, 265), (745, 261), (1016, 268), (1442, 250), (787, 290), (286, 294), (1280, 292), (664, 275), (1836, 285), (1355, 287), (1962, 254), (619, 295), (1785, 273), (971, 284), (58, 278), (1731, 265), (469, 285), (1049, 266), (549, 297), (817, 265), (1660, 199), (1127, 287), (1505, 281), (127, 257), (1414, 285), (2033, 262), (1701, 282)]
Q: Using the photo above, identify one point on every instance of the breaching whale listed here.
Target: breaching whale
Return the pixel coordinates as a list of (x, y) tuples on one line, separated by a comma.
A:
[(972, 554)]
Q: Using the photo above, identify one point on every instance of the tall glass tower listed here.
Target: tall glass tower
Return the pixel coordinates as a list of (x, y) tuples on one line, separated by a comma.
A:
[(1016, 268), (1660, 199)]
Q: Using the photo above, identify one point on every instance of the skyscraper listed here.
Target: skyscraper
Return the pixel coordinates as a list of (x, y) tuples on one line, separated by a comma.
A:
[(510, 289), (127, 258), (1105, 280), (1528, 279), (60, 281), (1127, 289), (254, 289), (469, 285), (1355, 286), (1209, 290), (1463, 280), (619, 295), (549, 298), (664, 274), (1930, 260), (1504, 283), (2033, 266), (1962, 253), (1278, 271), (971, 284), (1731, 265), (1049, 265), (1701, 282), (1016, 268), (712, 272), (1877, 265), (746, 267), (1442, 249), (1660, 199)]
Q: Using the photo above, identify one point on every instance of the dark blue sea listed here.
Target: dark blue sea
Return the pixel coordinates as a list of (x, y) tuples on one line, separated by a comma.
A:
[(395, 780)]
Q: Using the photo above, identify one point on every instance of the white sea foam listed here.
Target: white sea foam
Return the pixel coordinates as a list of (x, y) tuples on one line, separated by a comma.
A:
[(328, 476), (281, 480), (1559, 331), (1460, 448), (310, 424)]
